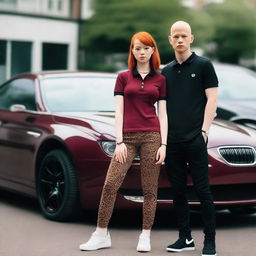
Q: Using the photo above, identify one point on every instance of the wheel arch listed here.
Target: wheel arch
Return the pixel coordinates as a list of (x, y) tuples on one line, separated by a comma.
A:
[(48, 145)]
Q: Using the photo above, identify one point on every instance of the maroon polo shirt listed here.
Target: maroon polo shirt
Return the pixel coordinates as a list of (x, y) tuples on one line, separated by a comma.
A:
[(140, 95)]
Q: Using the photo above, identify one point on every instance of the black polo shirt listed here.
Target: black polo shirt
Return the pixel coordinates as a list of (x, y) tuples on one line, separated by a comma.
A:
[(186, 99)]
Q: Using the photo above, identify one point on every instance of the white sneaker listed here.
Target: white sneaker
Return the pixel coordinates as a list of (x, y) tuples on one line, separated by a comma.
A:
[(144, 243), (96, 242)]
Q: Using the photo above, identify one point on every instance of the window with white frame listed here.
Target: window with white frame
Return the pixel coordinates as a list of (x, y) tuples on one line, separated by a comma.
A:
[(60, 8), (15, 58), (87, 9), (57, 7), (8, 4)]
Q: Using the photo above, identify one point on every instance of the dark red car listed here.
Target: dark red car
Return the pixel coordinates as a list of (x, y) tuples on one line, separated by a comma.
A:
[(57, 138)]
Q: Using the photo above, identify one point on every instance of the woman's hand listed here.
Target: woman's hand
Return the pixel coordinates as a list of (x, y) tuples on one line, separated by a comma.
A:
[(121, 153), (160, 155)]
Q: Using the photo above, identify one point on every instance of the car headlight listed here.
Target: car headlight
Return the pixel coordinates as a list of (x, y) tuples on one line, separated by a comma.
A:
[(108, 147)]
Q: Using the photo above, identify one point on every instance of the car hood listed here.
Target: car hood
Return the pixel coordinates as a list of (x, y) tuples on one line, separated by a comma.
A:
[(241, 108), (227, 133), (103, 124)]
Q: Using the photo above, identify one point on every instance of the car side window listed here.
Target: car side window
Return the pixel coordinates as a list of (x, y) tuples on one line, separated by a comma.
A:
[(19, 91)]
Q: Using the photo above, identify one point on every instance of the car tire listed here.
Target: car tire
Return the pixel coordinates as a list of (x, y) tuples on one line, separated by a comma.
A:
[(243, 210), (57, 186)]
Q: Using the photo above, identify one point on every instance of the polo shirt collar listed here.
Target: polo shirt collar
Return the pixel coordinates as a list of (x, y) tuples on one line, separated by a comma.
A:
[(135, 72), (187, 61)]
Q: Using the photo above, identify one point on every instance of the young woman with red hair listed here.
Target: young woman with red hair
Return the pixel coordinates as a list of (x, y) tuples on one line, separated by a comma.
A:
[(139, 130)]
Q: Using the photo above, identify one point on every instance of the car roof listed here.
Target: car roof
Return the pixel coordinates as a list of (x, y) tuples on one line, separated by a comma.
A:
[(63, 73), (228, 66), (223, 67)]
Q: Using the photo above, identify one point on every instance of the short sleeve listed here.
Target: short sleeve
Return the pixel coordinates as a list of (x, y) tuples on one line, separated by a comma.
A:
[(162, 89), (210, 78), (120, 84)]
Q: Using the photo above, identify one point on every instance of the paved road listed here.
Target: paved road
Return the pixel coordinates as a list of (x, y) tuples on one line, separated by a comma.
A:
[(24, 232)]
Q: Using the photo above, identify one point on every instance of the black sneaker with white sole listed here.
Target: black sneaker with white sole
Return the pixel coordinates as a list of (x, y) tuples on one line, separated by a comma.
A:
[(209, 248), (182, 244)]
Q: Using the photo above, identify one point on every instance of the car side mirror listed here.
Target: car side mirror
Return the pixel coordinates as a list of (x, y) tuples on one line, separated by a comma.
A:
[(18, 108)]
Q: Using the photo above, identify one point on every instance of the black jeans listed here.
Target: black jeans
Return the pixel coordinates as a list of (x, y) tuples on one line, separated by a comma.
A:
[(194, 153)]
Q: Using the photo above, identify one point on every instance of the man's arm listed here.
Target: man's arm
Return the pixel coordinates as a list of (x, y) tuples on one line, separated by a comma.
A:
[(210, 108)]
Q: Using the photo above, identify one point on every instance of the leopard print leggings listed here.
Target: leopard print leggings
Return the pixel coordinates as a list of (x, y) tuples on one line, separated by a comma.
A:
[(146, 145)]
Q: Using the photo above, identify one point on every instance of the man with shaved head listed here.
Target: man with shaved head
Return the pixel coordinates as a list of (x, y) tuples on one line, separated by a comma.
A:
[(191, 84)]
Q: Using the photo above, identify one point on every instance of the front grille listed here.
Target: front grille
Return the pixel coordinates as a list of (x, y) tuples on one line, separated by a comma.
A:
[(238, 155)]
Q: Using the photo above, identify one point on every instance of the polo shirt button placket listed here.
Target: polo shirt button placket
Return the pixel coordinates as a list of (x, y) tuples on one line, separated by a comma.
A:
[(142, 85)]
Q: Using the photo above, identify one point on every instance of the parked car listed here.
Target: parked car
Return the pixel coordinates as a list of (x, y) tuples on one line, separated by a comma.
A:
[(57, 139), (237, 94)]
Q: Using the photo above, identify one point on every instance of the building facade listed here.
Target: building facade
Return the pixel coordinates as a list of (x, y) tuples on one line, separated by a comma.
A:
[(37, 35)]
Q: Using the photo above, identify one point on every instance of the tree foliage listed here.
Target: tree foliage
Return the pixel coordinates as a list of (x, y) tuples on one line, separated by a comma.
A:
[(115, 21), (230, 24), (235, 31)]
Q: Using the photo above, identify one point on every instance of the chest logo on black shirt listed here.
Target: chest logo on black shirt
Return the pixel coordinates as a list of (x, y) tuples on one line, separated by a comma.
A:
[(193, 75)]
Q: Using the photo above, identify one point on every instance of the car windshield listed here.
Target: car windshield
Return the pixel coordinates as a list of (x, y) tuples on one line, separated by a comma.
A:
[(79, 94), (237, 84)]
